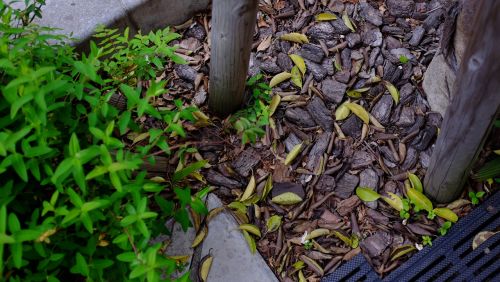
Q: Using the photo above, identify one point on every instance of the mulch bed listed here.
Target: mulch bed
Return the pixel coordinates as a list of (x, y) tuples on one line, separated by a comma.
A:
[(352, 153)]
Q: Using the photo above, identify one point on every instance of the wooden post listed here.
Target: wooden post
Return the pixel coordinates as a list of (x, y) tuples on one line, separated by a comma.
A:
[(469, 118), (233, 24)]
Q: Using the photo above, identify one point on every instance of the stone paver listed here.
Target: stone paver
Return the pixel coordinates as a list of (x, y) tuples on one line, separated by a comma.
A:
[(79, 18), (232, 258)]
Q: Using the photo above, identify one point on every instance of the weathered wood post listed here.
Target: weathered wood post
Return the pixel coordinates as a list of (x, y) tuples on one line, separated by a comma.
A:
[(233, 23), (469, 118)]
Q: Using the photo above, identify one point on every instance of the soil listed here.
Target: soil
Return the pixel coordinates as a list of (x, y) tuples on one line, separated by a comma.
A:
[(339, 155)]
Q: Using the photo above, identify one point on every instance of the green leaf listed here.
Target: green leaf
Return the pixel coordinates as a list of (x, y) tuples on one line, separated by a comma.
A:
[(6, 239), (74, 145), (367, 194), (97, 171), (418, 199), (19, 166), (415, 182), (81, 266), (139, 270), (129, 219), (184, 195), (126, 257), (181, 174), (87, 222)]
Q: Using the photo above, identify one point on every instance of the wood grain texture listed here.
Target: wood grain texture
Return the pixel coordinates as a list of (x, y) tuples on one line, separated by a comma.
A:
[(233, 24), (469, 117)]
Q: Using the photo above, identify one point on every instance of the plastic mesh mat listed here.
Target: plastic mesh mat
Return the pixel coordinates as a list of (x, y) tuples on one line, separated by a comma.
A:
[(450, 258)]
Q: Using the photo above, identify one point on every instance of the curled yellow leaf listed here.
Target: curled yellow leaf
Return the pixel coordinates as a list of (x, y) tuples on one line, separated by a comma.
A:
[(279, 78), (205, 265), (295, 37), (325, 17), (392, 90), (249, 190), (293, 154), (200, 237), (274, 104)]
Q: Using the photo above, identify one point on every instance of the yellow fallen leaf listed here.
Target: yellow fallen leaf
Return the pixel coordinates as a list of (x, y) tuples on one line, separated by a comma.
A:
[(342, 112), (359, 111), (348, 22), (274, 104), (325, 17), (266, 42), (296, 77), (295, 37), (249, 190), (200, 237), (287, 198), (446, 213), (392, 90), (293, 154), (299, 62), (205, 265), (279, 78)]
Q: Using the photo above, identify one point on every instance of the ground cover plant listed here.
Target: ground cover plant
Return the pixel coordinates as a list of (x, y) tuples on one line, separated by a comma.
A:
[(75, 200)]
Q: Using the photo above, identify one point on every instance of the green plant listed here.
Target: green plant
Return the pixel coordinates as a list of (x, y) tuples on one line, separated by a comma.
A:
[(475, 196), (142, 57), (416, 201), (444, 228), (308, 245), (403, 59), (75, 202), (426, 240), (249, 121), (405, 212)]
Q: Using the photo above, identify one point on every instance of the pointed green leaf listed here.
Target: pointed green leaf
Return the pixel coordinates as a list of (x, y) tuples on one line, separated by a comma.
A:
[(367, 194)]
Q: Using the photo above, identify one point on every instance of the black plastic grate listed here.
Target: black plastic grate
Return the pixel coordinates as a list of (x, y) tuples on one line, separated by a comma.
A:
[(450, 258)]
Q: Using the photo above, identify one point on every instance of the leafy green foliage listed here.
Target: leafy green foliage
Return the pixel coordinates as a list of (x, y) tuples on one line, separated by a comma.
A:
[(405, 212), (403, 59), (250, 121), (444, 228), (75, 202), (426, 240), (476, 196)]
